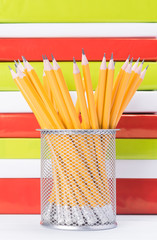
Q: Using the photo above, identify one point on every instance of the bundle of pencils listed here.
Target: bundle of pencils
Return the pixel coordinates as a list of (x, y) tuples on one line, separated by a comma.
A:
[(89, 201)]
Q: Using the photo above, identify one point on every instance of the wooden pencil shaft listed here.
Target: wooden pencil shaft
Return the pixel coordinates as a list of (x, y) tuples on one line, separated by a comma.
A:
[(79, 171), (119, 98), (116, 85), (36, 81), (67, 99), (38, 117), (90, 96), (57, 94), (90, 158), (82, 101), (107, 101), (36, 101), (101, 95), (129, 94)]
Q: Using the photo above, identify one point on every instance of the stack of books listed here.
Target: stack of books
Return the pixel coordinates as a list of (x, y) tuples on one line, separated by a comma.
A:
[(136, 143)]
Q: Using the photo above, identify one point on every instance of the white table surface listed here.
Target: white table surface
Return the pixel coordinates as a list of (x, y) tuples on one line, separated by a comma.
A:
[(21, 227)]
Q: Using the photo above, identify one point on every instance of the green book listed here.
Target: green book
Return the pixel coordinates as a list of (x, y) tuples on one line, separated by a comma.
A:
[(29, 148), (7, 83), (22, 11)]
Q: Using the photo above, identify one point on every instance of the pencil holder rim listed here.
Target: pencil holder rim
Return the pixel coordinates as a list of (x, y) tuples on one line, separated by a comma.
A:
[(79, 131)]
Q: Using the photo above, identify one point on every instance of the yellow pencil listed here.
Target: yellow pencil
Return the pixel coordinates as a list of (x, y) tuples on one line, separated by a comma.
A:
[(134, 68), (89, 91), (39, 118), (101, 90), (108, 94), (118, 79), (66, 95), (81, 96), (120, 94), (130, 93), (39, 88), (58, 96)]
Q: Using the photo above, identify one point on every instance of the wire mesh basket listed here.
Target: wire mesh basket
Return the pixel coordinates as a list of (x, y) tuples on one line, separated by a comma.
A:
[(78, 184)]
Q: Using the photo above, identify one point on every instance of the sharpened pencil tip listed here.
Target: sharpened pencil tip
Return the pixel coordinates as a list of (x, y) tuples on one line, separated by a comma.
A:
[(46, 57), (128, 57), (142, 61), (147, 67), (19, 61), (24, 59), (138, 59), (10, 68), (111, 56), (52, 56), (131, 60), (83, 51), (74, 60), (15, 63), (104, 55), (43, 57)]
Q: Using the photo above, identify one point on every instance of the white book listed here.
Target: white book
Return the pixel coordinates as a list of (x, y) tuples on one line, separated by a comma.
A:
[(25, 30), (30, 168), (142, 102)]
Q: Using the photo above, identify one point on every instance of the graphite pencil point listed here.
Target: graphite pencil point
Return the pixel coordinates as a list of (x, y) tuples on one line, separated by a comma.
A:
[(131, 60), (52, 56), (24, 59), (15, 63)]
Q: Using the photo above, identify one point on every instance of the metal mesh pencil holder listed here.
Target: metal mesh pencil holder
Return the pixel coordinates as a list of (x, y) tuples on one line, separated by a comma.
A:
[(78, 184)]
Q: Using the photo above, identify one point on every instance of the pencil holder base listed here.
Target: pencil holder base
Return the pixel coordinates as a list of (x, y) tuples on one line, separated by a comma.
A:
[(83, 228), (78, 184)]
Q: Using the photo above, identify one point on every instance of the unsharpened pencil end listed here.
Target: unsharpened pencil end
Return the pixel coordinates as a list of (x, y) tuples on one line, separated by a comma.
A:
[(83, 51), (52, 56), (142, 61), (147, 67), (10, 68), (111, 56), (74, 60)]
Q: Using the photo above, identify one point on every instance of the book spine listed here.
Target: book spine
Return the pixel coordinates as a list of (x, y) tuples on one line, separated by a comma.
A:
[(65, 48), (134, 196)]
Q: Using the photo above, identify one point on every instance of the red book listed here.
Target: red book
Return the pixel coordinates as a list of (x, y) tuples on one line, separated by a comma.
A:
[(18, 125), (65, 48), (24, 125), (22, 196), (137, 126)]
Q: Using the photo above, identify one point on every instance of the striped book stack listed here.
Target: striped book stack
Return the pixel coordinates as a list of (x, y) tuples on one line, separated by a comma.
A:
[(32, 28)]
